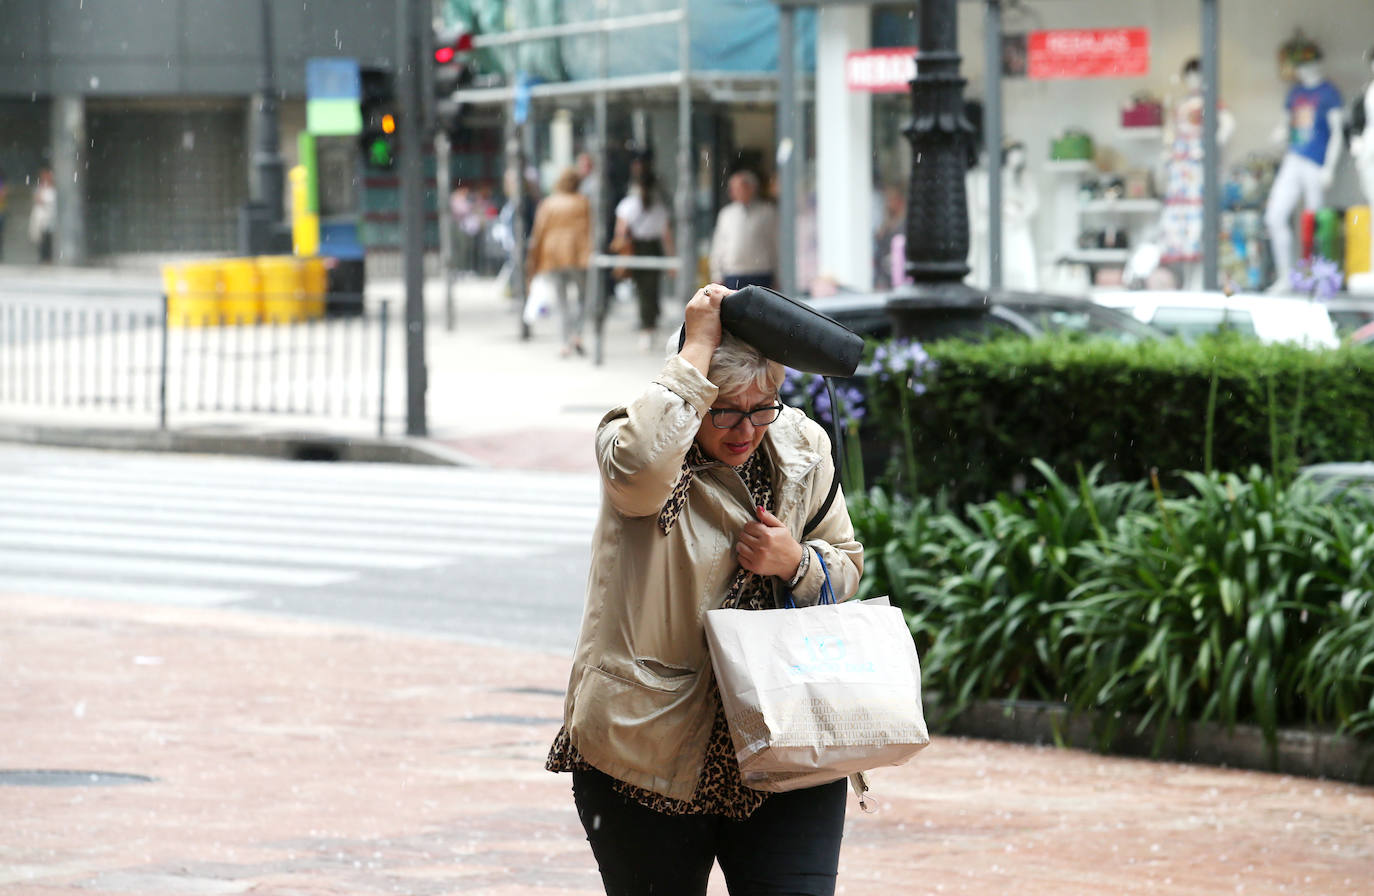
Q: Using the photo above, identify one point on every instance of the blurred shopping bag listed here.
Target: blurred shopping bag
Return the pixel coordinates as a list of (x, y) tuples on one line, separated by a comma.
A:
[(541, 297)]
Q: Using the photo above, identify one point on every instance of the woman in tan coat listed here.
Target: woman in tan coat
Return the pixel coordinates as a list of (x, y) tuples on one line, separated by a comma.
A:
[(561, 246), (713, 494)]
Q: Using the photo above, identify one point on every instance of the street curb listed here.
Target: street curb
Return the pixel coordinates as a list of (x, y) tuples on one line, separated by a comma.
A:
[(1308, 754), (304, 446)]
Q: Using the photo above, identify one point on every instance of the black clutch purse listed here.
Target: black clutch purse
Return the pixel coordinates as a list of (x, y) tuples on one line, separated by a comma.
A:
[(786, 331)]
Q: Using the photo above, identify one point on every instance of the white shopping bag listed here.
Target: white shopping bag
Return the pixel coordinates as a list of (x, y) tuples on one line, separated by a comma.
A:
[(541, 298), (814, 694)]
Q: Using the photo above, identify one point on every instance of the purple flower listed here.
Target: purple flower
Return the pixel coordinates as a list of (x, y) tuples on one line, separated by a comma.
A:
[(1317, 276), (807, 390), (904, 360)]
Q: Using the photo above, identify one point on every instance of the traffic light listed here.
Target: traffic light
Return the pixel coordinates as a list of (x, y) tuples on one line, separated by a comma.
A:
[(452, 71), (378, 101)]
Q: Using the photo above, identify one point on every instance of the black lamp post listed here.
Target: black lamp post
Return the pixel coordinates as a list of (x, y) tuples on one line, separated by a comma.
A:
[(937, 235)]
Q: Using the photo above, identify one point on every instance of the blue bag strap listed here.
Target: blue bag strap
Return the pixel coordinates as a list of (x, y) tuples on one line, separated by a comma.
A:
[(827, 590)]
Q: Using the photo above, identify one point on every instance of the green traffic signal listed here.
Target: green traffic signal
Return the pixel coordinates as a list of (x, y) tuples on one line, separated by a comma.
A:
[(380, 153)]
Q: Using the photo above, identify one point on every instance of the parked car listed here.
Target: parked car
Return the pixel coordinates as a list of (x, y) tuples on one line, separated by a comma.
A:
[(1338, 476), (1190, 314), (1350, 313), (979, 318)]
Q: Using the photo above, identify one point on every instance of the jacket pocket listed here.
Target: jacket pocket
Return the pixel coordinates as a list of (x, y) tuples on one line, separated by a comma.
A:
[(619, 723), (661, 676)]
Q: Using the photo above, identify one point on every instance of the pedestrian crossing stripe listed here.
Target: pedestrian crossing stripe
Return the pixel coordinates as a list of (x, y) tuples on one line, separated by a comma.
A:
[(257, 498), (138, 530), (402, 532)]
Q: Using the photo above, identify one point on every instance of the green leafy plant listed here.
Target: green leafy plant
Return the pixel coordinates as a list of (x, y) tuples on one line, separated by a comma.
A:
[(1244, 598)]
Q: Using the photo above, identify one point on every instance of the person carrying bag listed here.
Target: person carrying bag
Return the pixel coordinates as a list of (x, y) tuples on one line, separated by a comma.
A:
[(708, 484)]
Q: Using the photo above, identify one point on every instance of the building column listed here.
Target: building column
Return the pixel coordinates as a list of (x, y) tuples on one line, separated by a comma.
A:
[(844, 152), (70, 175)]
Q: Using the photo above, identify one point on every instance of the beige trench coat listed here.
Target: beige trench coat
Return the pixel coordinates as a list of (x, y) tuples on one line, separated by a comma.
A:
[(639, 704)]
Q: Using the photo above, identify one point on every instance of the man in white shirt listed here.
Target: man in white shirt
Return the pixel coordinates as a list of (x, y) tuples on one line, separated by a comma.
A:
[(744, 247)]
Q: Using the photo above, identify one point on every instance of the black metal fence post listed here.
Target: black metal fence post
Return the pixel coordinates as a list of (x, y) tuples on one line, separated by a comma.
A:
[(162, 371), (381, 387)]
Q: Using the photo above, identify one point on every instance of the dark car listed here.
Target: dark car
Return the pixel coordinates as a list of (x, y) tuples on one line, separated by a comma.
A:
[(978, 317)]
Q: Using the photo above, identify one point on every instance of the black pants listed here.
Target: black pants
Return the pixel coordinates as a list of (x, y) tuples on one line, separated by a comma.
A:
[(790, 846), (646, 283)]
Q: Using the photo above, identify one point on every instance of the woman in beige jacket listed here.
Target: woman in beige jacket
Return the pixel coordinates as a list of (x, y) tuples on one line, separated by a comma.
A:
[(560, 247), (707, 481)]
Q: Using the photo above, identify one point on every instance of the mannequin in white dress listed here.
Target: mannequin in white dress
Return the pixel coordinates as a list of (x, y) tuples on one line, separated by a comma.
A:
[(1362, 154), (1020, 202), (1362, 134)]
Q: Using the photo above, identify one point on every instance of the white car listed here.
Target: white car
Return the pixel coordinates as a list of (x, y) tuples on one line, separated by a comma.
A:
[(1192, 314)]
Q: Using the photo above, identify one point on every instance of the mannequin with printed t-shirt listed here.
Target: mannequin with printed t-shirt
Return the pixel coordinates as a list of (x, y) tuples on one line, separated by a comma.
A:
[(1313, 131)]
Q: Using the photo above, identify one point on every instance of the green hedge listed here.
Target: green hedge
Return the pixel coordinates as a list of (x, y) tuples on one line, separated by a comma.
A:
[(1225, 404), (1242, 600)]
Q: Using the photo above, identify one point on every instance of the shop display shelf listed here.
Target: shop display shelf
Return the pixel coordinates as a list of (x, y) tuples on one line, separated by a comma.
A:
[(1069, 166), (1155, 132), (1096, 256), (1121, 205)]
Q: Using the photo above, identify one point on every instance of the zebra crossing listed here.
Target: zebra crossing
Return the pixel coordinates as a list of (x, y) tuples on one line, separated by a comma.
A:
[(196, 530)]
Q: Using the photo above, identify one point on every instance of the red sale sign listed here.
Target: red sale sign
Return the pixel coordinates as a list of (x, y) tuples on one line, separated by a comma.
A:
[(888, 70), (1088, 53)]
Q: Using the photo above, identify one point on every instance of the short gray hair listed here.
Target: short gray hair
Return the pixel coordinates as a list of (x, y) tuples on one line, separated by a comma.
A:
[(736, 365)]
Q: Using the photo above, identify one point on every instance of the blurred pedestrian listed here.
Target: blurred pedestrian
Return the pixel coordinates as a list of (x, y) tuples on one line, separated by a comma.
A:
[(707, 484), (642, 226), (43, 213), (891, 222), (744, 247), (560, 248)]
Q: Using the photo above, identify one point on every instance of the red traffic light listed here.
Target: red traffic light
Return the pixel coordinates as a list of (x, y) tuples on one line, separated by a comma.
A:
[(449, 50)]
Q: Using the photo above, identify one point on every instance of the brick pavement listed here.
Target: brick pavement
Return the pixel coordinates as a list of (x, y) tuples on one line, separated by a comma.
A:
[(300, 758)]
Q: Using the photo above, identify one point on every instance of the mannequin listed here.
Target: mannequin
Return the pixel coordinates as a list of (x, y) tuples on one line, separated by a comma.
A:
[(1362, 154), (1312, 128), (1362, 134), (1020, 202), (1180, 224)]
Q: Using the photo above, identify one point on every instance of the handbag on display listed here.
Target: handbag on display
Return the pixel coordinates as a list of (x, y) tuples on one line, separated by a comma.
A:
[(1144, 111), (815, 694), (1073, 145)]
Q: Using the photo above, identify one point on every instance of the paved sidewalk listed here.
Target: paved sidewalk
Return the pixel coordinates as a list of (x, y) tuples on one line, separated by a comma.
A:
[(298, 758)]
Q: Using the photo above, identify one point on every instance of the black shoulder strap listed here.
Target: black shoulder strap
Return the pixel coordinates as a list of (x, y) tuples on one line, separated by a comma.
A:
[(825, 505)]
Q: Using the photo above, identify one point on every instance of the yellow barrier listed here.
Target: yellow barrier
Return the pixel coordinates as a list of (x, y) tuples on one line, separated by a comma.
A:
[(242, 303), (283, 288), (193, 293), (1357, 240), (316, 282), (305, 223)]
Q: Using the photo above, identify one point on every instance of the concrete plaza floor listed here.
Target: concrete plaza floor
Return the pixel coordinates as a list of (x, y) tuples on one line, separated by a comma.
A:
[(299, 758)]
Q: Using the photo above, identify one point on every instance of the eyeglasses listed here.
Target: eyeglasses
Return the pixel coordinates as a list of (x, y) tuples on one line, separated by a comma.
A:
[(729, 418)]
